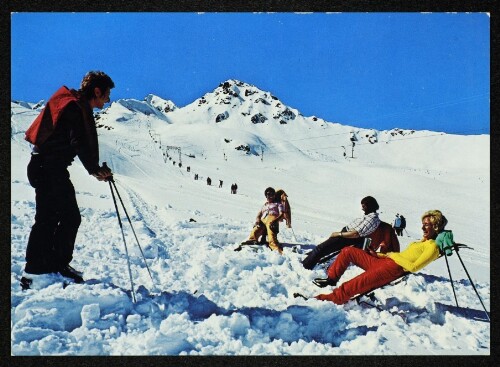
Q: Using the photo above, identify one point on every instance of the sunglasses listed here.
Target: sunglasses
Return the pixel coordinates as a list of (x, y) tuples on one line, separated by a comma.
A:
[(269, 193)]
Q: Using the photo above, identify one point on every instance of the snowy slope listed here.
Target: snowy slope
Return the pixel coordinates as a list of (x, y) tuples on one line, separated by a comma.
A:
[(208, 299)]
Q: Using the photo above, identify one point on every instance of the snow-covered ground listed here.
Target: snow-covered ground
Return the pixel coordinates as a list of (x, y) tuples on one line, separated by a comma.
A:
[(207, 299)]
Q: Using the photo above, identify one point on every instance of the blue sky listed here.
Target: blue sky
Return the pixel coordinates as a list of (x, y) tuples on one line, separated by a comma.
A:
[(372, 70)]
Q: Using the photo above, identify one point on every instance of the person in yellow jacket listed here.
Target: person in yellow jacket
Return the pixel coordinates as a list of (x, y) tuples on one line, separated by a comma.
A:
[(267, 221), (380, 269)]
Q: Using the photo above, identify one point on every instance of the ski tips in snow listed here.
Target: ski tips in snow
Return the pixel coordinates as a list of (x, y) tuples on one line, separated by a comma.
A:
[(247, 243), (295, 295)]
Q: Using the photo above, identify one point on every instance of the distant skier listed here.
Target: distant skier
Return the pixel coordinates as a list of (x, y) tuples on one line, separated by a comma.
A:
[(220, 184), (403, 223), (397, 225), (188, 168), (196, 176), (209, 181), (64, 129), (235, 187)]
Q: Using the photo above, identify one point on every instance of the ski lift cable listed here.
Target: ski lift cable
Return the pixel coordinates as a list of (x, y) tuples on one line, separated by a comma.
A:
[(342, 146), (423, 108), (390, 141), (432, 106)]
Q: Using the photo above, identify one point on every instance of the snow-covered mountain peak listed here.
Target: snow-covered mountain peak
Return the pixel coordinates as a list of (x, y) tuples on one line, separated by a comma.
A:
[(124, 110), (162, 105), (29, 105), (241, 103)]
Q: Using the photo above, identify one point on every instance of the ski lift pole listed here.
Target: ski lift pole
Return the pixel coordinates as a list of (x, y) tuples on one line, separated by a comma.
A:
[(124, 242), (471, 282)]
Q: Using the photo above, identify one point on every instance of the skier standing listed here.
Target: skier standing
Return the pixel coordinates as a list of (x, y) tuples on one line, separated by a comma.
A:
[(63, 130)]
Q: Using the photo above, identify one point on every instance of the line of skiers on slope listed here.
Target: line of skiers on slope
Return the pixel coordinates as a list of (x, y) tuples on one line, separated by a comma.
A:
[(381, 260), (234, 187), (66, 128)]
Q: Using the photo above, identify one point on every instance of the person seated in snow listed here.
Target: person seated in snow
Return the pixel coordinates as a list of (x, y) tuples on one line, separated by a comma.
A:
[(380, 269), (267, 221), (351, 235), (64, 129)]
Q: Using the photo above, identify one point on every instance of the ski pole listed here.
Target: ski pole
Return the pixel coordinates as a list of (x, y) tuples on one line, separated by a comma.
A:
[(124, 242), (295, 238), (112, 181), (451, 279), (471, 282), (325, 258)]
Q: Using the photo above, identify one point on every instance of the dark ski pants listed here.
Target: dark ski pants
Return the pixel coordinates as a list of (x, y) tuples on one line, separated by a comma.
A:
[(328, 247), (52, 238), (377, 272)]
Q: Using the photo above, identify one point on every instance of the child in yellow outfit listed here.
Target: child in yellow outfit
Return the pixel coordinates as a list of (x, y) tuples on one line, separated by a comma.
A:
[(267, 221)]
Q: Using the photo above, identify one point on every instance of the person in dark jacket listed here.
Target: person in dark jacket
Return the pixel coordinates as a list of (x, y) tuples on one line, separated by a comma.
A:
[(352, 234), (63, 130)]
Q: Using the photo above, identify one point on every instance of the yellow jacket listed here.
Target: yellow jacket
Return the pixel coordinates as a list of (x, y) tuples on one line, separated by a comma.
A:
[(416, 256)]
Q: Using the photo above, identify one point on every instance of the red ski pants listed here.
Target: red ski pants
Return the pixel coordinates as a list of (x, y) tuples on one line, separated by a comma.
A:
[(377, 272)]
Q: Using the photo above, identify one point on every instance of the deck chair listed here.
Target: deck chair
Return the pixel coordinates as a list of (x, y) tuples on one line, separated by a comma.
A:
[(383, 239), (447, 247)]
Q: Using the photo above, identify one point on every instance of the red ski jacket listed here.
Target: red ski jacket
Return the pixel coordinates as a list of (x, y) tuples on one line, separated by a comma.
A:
[(76, 136)]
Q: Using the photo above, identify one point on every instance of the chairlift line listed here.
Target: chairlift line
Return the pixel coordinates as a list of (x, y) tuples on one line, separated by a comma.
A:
[(341, 146), (430, 107)]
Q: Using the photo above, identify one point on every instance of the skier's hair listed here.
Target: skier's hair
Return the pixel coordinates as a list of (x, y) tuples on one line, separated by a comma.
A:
[(269, 189), (437, 219), (94, 79), (371, 203)]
